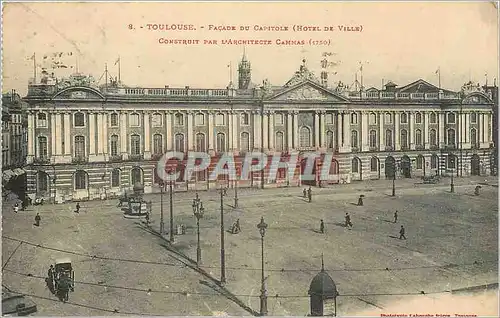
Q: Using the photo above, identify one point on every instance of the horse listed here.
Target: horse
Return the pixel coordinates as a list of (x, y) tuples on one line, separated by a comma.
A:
[(63, 286)]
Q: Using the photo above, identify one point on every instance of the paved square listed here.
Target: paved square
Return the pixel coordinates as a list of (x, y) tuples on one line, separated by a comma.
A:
[(452, 243)]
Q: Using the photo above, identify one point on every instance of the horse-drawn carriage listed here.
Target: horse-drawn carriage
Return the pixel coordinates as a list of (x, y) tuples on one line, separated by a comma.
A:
[(64, 278)]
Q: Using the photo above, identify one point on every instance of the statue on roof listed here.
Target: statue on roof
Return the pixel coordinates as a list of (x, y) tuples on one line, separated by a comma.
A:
[(471, 87), (303, 74)]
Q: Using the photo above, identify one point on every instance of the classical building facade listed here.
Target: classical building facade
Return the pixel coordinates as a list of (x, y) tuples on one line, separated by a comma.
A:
[(88, 142), (14, 142)]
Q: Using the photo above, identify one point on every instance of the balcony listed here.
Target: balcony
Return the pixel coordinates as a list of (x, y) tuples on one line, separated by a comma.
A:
[(115, 158), (41, 160), (79, 160), (136, 157)]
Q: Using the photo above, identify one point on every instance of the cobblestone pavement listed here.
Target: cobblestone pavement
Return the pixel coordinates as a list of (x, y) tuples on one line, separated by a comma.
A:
[(452, 243)]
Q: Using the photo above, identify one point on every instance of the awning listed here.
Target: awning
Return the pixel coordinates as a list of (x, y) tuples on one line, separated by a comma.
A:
[(19, 172), (7, 174)]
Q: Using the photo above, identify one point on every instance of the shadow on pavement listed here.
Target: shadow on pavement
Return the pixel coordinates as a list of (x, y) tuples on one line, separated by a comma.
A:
[(339, 224)]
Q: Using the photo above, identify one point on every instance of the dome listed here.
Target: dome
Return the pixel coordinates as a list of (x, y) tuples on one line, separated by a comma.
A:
[(323, 285)]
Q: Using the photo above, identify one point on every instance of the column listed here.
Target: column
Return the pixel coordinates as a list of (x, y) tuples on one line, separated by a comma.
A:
[(411, 132), (316, 129), (485, 131), (322, 142), (168, 131), (257, 138), (53, 134), (234, 130), (426, 130), (381, 134), (100, 134), (364, 132), (105, 136), (441, 129), (265, 138), (295, 129), (466, 120), (92, 134), (346, 130), (271, 130), (461, 129), (397, 145), (289, 132), (147, 135), (31, 136), (490, 129), (190, 131), (67, 135), (211, 142), (123, 135), (59, 136), (339, 140)]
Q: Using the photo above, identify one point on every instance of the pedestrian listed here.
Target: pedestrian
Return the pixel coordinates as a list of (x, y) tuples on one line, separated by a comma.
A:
[(147, 218), (16, 207), (396, 216), (322, 227), (304, 193), (77, 207), (50, 278), (402, 233), (347, 220), (309, 194), (37, 219)]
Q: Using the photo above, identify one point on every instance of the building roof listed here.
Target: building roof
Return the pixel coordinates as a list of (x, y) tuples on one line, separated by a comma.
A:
[(322, 284)]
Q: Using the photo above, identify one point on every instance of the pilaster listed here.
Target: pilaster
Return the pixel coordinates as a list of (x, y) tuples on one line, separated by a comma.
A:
[(397, 143), (289, 131), (169, 136), (426, 130), (411, 132), (271, 130), (123, 135), (316, 130), (441, 129), (295, 129), (147, 135), (364, 131), (381, 134)]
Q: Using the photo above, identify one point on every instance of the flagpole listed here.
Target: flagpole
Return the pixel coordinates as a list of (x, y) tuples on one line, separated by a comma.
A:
[(106, 75), (119, 69), (34, 67), (439, 77), (230, 72)]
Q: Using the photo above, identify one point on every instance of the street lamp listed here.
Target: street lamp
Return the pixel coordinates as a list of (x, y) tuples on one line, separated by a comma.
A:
[(236, 192), (262, 226), (198, 211), (222, 251), (162, 223), (394, 178), (452, 185)]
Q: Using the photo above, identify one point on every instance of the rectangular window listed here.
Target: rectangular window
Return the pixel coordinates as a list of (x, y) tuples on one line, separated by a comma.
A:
[(135, 145)]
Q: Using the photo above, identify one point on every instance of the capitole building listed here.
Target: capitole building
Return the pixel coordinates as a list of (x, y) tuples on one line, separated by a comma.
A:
[(94, 142)]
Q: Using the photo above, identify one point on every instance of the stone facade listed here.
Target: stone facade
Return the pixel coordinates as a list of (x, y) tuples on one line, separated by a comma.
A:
[(90, 142)]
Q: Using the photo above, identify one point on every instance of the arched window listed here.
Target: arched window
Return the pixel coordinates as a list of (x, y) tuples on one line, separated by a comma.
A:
[(404, 138), (134, 120), (373, 119), (42, 181), (305, 137), (135, 144), (404, 118), (179, 142), (433, 118), (279, 119), (114, 145), (354, 139), (473, 137), (79, 146), (418, 118), (355, 165), (244, 119), (388, 138), (80, 180), (115, 178), (42, 147), (219, 119), (156, 120), (434, 161), (329, 139), (388, 118), (157, 144), (245, 142), (199, 119), (373, 138), (41, 120), (179, 119), (433, 137), (280, 141), (113, 120), (374, 164), (354, 118), (451, 137), (420, 162), (221, 142), (418, 137), (200, 142), (79, 120), (136, 175), (451, 118)]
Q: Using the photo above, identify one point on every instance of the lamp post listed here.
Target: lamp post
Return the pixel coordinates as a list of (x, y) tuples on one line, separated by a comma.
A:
[(171, 212), (394, 179), (198, 211), (54, 179), (452, 185), (162, 223), (222, 251), (236, 192), (262, 226)]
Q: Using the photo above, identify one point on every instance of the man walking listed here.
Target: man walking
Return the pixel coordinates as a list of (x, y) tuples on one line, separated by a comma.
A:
[(304, 193), (402, 233), (348, 220), (77, 207), (396, 216), (322, 227), (37, 219), (50, 278), (309, 194)]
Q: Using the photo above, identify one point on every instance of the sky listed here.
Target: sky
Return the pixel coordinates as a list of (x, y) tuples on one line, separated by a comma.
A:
[(401, 42)]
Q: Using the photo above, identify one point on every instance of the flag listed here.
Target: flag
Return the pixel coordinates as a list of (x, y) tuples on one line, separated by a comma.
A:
[(361, 68), (31, 57), (437, 71), (117, 60)]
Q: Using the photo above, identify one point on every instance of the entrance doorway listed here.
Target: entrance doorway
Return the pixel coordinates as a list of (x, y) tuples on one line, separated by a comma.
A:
[(475, 163), (406, 166), (390, 167)]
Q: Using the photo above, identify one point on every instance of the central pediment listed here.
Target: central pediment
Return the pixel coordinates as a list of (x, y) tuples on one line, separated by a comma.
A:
[(307, 91)]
